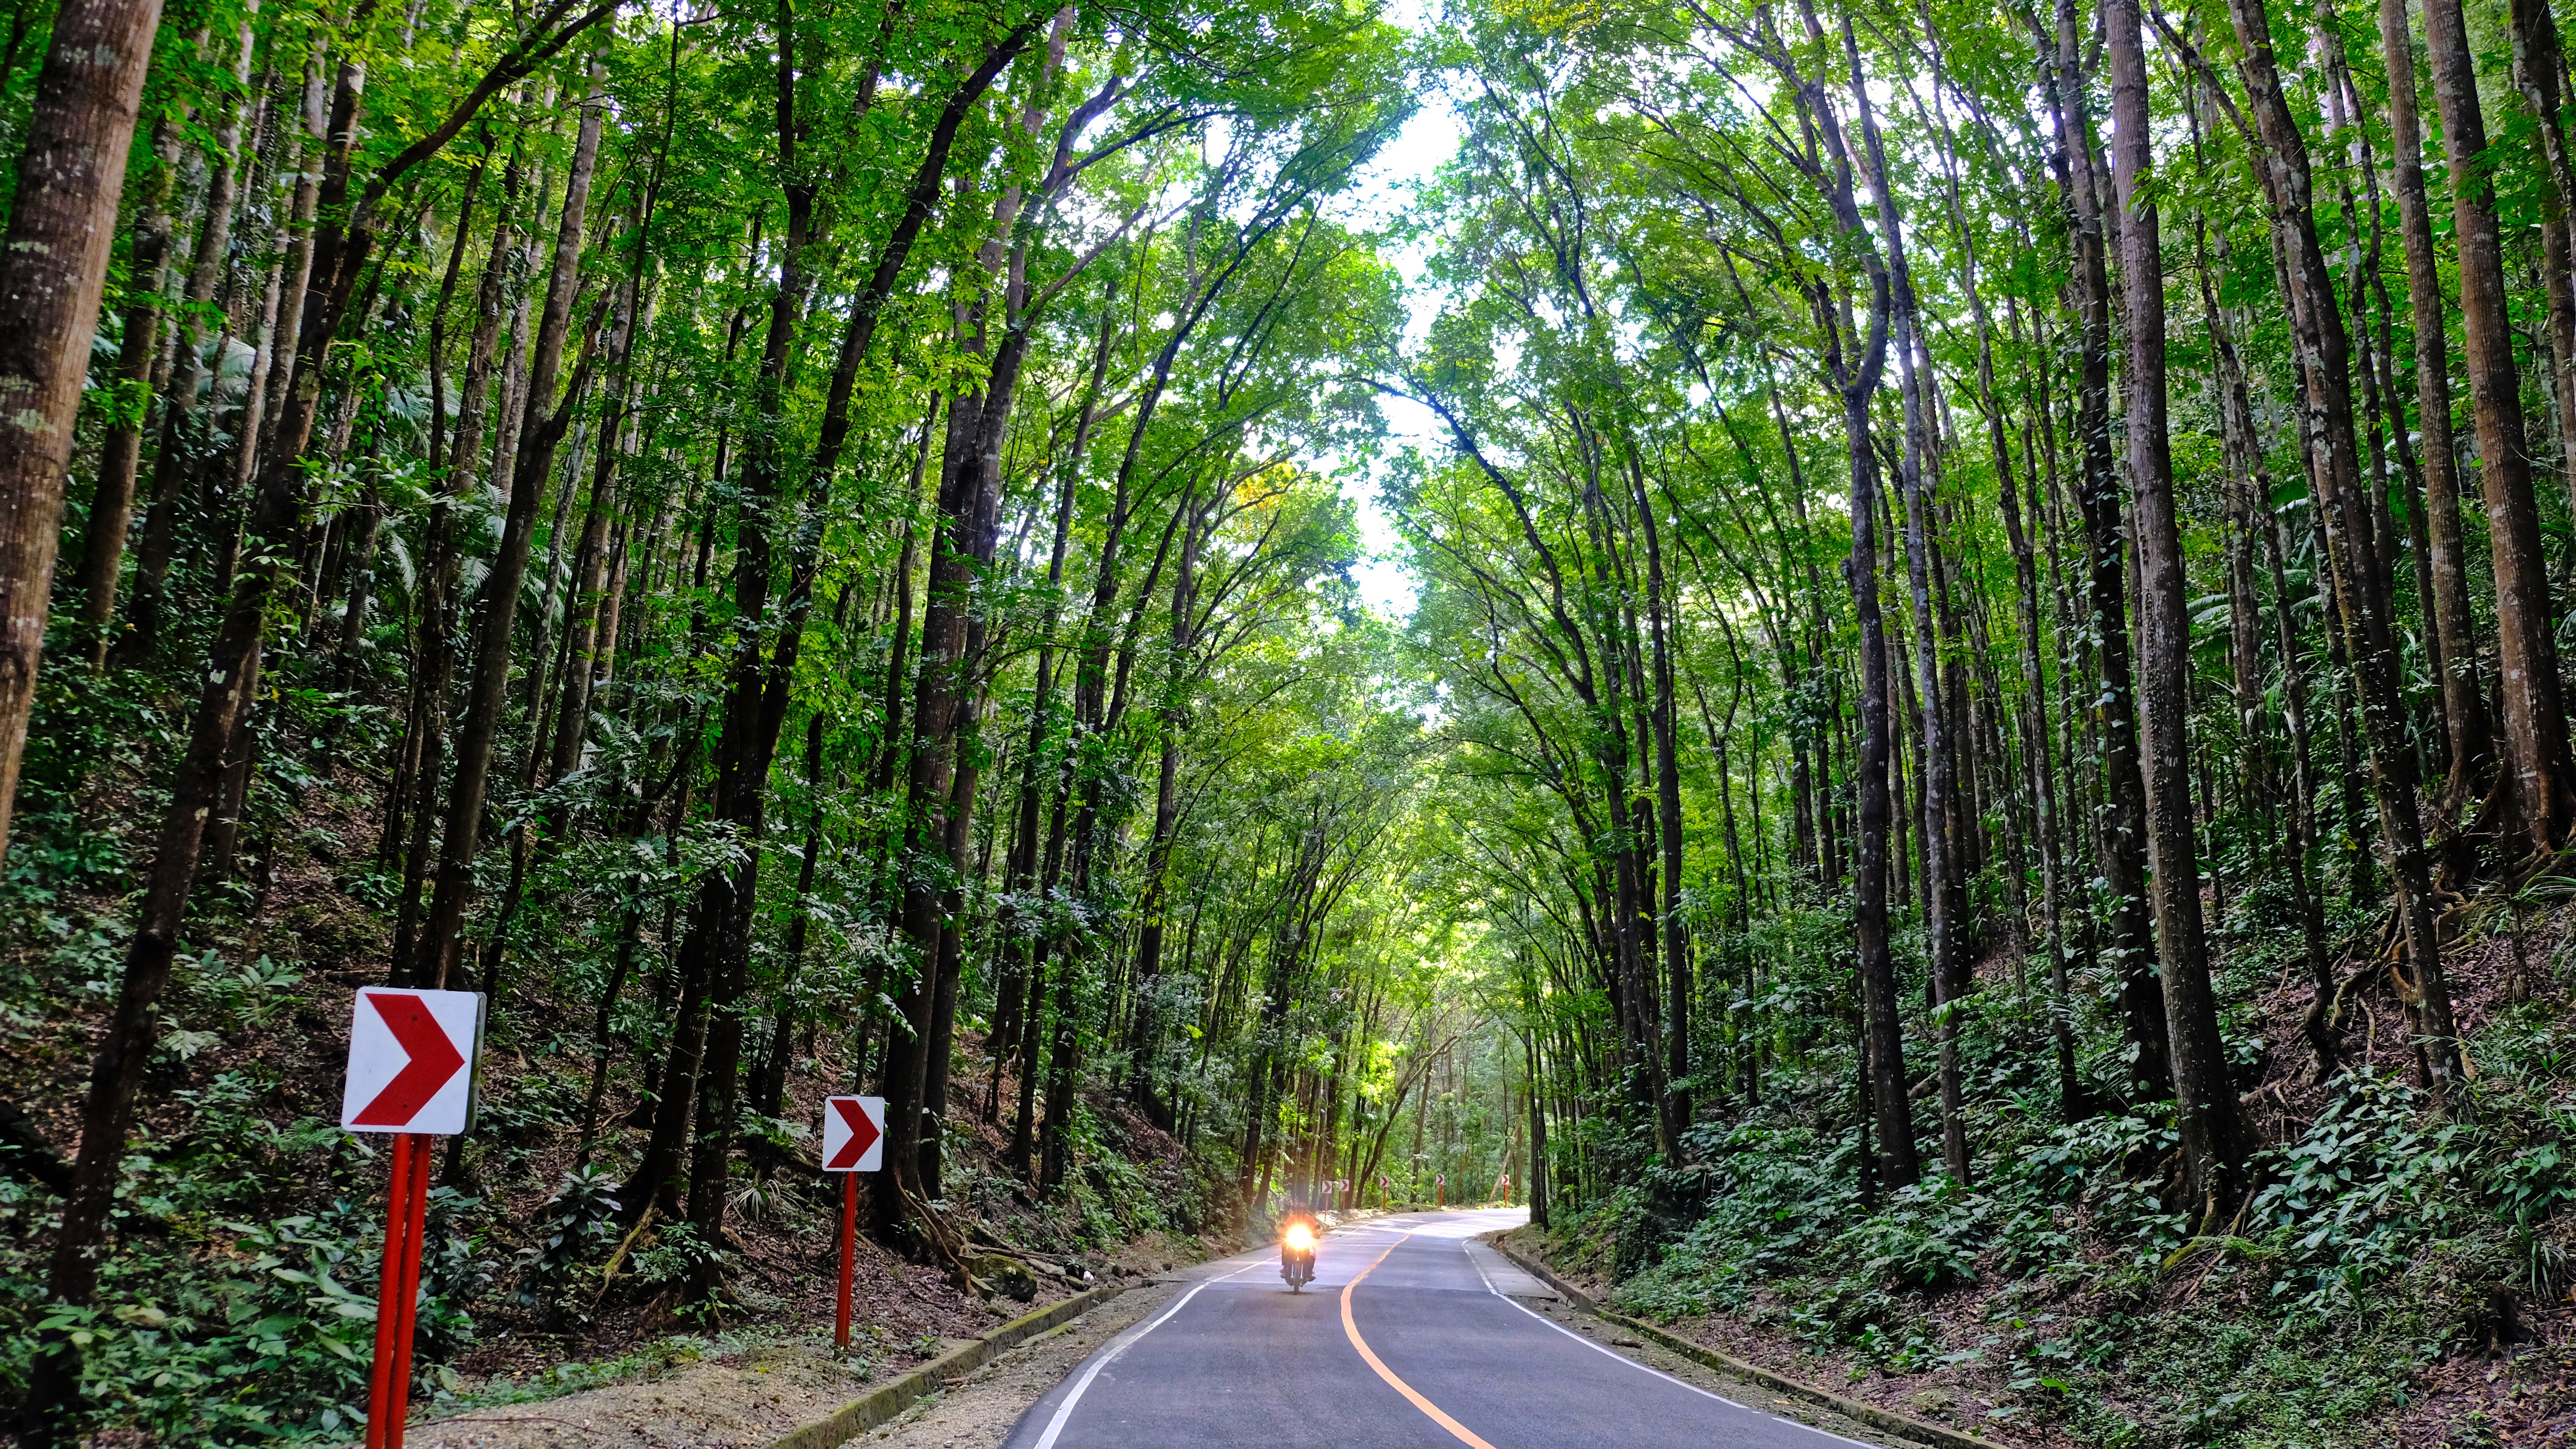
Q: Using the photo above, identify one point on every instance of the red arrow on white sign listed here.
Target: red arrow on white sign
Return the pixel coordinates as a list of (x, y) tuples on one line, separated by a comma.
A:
[(853, 1134), (410, 1061)]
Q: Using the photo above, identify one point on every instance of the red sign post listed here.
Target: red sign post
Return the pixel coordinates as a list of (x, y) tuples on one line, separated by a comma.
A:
[(853, 1142), (410, 1059)]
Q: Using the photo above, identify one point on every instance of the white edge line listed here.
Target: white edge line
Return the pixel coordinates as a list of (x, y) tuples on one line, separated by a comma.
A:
[(1125, 1341), (1632, 1363)]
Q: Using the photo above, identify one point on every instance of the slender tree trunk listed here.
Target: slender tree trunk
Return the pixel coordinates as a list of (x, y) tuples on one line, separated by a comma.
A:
[(2535, 721), (2215, 1143), (2244, 455), (768, 1095), (1856, 378), (1939, 782), (1142, 1035), (1675, 936), (2120, 822), (586, 602), (2361, 584), (487, 685), (1017, 1011), (111, 508), (434, 656)]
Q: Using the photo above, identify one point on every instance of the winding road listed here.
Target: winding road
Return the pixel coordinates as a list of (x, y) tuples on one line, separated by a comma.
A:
[(1409, 1338)]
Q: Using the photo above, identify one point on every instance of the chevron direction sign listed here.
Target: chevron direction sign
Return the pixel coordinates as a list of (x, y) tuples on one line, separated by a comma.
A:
[(411, 1061), (853, 1134)]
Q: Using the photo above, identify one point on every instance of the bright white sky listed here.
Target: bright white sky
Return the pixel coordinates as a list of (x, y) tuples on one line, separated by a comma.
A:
[(1387, 586)]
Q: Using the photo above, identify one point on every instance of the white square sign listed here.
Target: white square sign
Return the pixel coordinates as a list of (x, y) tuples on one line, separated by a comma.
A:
[(853, 1134), (411, 1061)]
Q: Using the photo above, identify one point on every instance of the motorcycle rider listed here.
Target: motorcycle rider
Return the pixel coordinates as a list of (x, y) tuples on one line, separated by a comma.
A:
[(1299, 1229)]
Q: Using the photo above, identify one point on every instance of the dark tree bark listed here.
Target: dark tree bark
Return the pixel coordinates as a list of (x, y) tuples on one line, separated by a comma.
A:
[(1675, 937), (415, 795), (2120, 821), (2252, 488), (1937, 799), (1854, 364), (587, 603), (1017, 1008), (2215, 1142), (1142, 1038)]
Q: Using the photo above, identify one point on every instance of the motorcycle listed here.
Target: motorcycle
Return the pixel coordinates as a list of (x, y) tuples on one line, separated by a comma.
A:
[(1297, 1254)]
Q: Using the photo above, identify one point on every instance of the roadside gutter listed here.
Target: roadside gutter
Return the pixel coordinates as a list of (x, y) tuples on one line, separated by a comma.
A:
[(1904, 1426)]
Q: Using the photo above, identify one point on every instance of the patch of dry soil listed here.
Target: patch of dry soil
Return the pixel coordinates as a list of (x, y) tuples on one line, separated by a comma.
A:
[(748, 1401)]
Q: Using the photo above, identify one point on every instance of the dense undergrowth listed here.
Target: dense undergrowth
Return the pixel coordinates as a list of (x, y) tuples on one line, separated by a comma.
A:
[(2390, 1252), (238, 1304)]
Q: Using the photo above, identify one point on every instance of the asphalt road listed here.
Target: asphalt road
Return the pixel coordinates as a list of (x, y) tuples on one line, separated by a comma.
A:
[(1407, 1339)]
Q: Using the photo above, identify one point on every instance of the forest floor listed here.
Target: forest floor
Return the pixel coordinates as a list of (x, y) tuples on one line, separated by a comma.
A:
[(245, 1197), (2474, 1363)]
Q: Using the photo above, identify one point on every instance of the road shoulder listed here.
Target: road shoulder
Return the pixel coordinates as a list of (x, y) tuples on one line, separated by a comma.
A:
[(1748, 1392), (1756, 1386), (980, 1410)]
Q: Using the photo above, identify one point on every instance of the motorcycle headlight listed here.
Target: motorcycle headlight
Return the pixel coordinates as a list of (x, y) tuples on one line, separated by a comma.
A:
[(1300, 1239)]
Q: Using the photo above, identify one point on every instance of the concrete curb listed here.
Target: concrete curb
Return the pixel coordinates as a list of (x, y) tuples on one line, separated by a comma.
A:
[(893, 1397), (1904, 1426)]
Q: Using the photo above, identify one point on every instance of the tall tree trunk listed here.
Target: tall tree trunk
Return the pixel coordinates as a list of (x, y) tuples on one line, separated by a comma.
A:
[(2529, 693), (1676, 937), (2361, 584), (1143, 1034), (111, 507), (62, 221), (2120, 833), (586, 602), (1856, 378), (1017, 1010), (1937, 798), (434, 656), (1854, 363), (2215, 1143), (2248, 482)]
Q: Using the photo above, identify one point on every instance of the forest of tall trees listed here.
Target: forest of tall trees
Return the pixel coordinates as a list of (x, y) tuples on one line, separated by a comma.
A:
[(1975, 699)]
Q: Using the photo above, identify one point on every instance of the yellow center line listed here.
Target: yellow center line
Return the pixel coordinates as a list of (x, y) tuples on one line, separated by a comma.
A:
[(1465, 1435)]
